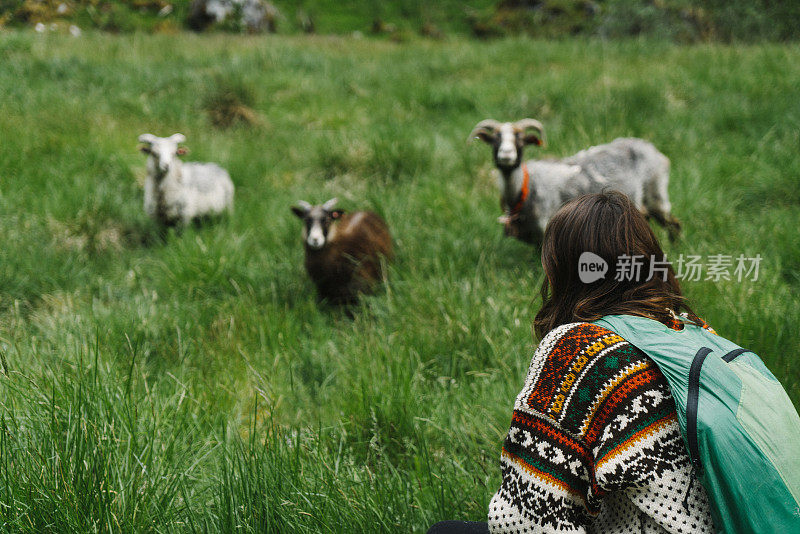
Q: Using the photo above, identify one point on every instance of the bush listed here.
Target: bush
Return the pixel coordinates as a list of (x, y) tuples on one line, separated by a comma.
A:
[(675, 20), (229, 103)]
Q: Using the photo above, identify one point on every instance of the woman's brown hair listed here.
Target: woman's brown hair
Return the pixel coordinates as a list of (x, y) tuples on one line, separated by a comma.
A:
[(609, 226)]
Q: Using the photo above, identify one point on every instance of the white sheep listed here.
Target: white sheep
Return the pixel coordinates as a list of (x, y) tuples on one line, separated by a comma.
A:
[(177, 192), (532, 192)]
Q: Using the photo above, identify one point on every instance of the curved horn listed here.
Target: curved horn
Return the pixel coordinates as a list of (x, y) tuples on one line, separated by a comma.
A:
[(329, 205), (527, 124), (147, 138), (487, 124)]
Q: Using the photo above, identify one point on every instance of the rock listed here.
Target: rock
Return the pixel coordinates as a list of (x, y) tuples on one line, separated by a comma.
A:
[(255, 16)]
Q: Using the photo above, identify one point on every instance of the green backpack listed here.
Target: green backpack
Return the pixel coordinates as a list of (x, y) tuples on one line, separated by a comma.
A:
[(740, 427)]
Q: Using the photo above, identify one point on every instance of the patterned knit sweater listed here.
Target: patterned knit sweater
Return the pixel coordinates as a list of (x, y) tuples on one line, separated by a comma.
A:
[(594, 445)]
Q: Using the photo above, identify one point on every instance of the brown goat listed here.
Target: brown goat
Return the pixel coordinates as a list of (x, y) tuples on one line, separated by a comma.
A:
[(344, 252)]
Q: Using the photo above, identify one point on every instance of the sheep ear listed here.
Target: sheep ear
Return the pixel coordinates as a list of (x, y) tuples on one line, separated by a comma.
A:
[(182, 151), (486, 136), (533, 131), (532, 139), (301, 212), (147, 138), (329, 205), (178, 138)]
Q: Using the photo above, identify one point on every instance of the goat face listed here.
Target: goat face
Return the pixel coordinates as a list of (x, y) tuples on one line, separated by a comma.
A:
[(162, 151), (508, 139), (507, 147), (317, 222)]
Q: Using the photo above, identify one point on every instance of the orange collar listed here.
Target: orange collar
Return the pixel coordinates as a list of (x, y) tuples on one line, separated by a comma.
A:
[(523, 196)]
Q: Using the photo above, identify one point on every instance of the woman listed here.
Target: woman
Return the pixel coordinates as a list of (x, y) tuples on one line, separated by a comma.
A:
[(594, 444)]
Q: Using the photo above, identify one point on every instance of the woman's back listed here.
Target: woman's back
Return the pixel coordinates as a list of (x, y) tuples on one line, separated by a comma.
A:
[(594, 444)]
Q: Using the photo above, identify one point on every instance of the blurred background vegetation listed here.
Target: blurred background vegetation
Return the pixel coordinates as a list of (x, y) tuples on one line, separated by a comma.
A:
[(675, 20)]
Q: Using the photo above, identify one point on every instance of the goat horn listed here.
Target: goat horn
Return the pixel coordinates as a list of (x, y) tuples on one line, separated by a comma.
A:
[(486, 124), (524, 124), (305, 205), (329, 205)]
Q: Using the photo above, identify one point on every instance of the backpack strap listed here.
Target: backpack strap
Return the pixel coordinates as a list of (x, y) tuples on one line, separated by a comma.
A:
[(728, 358), (692, 401)]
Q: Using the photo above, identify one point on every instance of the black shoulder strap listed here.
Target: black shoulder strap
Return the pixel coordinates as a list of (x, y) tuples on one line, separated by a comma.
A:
[(728, 358), (692, 400)]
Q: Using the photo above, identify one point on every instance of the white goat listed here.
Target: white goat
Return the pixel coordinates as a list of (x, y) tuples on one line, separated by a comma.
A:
[(177, 192), (534, 190)]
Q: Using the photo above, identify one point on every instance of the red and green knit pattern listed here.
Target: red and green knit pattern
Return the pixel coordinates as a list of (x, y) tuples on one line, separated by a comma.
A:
[(595, 424)]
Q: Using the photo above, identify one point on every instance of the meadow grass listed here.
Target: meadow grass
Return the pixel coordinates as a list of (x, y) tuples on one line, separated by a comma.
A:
[(194, 384)]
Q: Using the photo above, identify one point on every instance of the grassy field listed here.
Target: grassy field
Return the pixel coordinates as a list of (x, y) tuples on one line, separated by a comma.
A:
[(193, 384)]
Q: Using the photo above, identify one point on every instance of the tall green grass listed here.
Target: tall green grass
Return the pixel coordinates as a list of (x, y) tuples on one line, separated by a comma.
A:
[(192, 383)]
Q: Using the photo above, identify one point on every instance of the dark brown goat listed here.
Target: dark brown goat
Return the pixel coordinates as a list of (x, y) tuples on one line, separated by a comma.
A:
[(344, 252)]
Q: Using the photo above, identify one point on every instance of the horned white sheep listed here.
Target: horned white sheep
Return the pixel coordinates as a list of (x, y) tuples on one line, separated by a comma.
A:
[(532, 191), (177, 192)]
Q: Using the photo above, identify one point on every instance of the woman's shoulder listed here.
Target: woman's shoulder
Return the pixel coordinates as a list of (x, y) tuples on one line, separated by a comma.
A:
[(575, 347), (576, 367), (566, 345), (576, 337)]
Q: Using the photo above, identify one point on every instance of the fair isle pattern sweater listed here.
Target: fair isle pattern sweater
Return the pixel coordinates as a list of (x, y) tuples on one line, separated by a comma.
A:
[(594, 445)]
